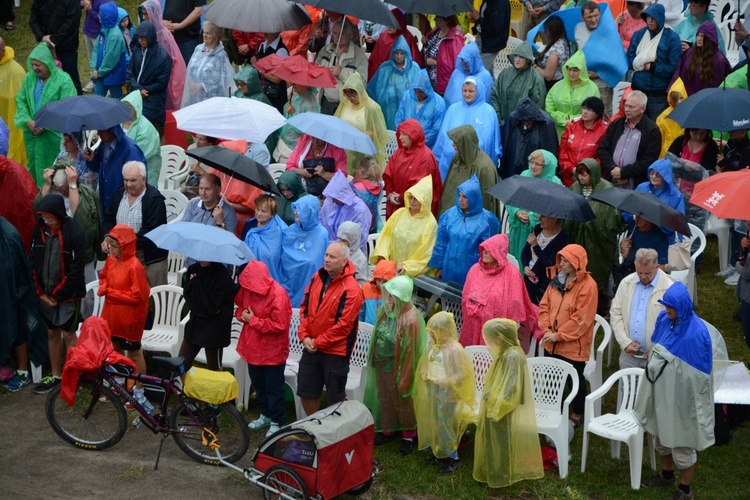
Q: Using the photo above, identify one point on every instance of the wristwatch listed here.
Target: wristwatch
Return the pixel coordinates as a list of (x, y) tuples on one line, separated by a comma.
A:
[(222, 225), (73, 186)]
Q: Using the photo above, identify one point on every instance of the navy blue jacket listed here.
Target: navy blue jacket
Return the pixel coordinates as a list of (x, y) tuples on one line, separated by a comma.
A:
[(668, 54), (154, 77)]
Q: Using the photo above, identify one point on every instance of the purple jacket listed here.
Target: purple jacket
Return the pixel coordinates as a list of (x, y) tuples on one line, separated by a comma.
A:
[(722, 67), (92, 23), (352, 209)]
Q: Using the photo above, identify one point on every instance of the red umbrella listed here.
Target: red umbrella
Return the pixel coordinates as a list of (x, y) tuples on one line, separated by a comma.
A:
[(296, 69), (724, 195)]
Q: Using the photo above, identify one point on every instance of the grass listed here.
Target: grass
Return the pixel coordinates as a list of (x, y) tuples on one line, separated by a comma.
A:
[(133, 472)]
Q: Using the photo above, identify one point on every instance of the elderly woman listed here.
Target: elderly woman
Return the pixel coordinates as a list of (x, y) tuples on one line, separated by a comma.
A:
[(468, 64), (359, 110), (661, 185), (393, 79), (494, 289), (564, 99), (398, 341), (566, 316), (315, 161), (304, 100), (350, 234), (581, 138), (440, 50), (290, 185), (209, 74), (460, 232), (516, 82), (546, 239), (409, 235), (424, 105), (262, 234), (542, 165), (71, 147)]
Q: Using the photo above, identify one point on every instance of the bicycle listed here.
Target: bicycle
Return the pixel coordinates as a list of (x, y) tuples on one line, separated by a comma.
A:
[(98, 420)]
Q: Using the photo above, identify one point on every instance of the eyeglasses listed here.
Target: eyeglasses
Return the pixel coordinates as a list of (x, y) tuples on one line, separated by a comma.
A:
[(537, 163)]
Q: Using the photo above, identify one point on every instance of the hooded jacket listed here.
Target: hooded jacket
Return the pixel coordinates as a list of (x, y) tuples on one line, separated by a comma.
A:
[(209, 294), (150, 69), (563, 102), (670, 129), (386, 40), (430, 112), (292, 182), (520, 141), (513, 84), (109, 55), (570, 313), (352, 234), (470, 56), (11, 80), (577, 144), (406, 167), (373, 295), (668, 193), (352, 208), (447, 54), (264, 340), (460, 233), (668, 54), (145, 136), (389, 84), (42, 149), (265, 243), (721, 66), (61, 19)]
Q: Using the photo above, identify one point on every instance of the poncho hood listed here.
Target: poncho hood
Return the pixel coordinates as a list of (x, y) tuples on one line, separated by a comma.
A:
[(384, 270), (471, 56), (42, 54), (442, 329), (577, 256), (500, 334), (595, 170), (136, 100), (664, 168), (54, 205), (577, 60), (550, 166), (357, 84), (121, 14), (467, 142), (422, 82), (308, 208), (708, 29), (10, 54), (528, 110), (472, 190), (292, 182), (656, 11), (413, 129), (400, 44), (256, 278), (400, 288), (338, 189), (251, 77), (497, 246), (481, 95), (523, 50), (147, 30), (677, 86), (125, 236), (422, 191), (352, 233), (109, 15)]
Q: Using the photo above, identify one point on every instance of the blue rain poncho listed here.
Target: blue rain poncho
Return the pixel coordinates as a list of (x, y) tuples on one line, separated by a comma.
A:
[(469, 55), (429, 113), (668, 193), (265, 243), (390, 84), (350, 208)]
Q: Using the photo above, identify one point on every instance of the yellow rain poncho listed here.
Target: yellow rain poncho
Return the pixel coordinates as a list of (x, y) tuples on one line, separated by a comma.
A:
[(11, 78), (398, 340), (507, 444), (669, 128), (444, 391), (408, 239)]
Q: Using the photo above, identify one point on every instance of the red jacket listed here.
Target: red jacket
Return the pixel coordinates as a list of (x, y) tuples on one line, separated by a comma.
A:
[(252, 40), (264, 340), (333, 318), (578, 143), (447, 55)]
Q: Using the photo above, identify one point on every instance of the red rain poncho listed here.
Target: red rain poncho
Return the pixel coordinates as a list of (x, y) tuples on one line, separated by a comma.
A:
[(16, 204)]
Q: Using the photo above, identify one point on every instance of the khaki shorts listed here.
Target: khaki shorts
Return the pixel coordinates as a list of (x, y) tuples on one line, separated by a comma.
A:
[(683, 457)]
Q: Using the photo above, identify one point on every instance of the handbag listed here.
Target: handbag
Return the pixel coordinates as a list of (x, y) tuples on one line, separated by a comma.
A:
[(679, 255)]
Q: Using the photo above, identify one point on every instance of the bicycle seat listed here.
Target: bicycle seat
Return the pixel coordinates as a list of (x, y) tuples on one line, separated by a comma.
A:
[(174, 363)]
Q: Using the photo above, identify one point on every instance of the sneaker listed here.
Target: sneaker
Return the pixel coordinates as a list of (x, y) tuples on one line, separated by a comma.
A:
[(727, 271), (19, 380), (658, 481), (48, 383), (433, 461), (89, 88), (381, 438), (681, 495), (407, 446), (450, 466), (732, 280), (260, 423), (272, 429)]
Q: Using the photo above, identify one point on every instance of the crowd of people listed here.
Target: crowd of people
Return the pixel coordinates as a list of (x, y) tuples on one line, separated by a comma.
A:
[(77, 201)]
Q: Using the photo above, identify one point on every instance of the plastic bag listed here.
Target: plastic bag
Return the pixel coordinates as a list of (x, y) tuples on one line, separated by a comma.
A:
[(210, 386)]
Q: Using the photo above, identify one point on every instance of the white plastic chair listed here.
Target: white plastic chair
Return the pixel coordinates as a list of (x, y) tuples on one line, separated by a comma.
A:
[(482, 360), (176, 204), (355, 381), (169, 327), (372, 240), (175, 268), (548, 377), (174, 167), (621, 426), (593, 369), (617, 93), (514, 261), (390, 147), (688, 276), (469, 38), (93, 286), (276, 169), (382, 209), (292, 362), (721, 228), (501, 59), (417, 34), (231, 359)]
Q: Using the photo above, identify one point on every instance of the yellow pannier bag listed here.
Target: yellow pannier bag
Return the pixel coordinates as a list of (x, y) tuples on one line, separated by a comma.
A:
[(210, 386)]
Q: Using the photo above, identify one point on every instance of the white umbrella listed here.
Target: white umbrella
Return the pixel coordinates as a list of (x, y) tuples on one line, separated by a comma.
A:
[(230, 118), (269, 16)]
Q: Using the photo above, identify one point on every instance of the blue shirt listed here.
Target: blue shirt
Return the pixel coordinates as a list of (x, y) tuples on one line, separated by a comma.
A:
[(639, 309)]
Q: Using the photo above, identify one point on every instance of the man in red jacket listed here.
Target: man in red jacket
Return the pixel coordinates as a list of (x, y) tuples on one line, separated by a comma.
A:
[(329, 321)]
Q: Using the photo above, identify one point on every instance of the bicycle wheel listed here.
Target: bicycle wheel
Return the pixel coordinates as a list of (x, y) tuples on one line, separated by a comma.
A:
[(285, 481), (89, 423), (225, 421)]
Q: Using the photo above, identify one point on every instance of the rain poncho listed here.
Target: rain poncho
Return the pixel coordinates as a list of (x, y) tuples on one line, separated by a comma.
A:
[(470, 56), (668, 193), (429, 112), (506, 448), (42, 149), (518, 230), (494, 292), (366, 116), (293, 183), (512, 84), (460, 233), (520, 139), (397, 343), (444, 390), (265, 243), (670, 129), (16, 204), (209, 74), (350, 208), (676, 400), (109, 54), (563, 103), (408, 239), (385, 270), (382, 49), (145, 135), (352, 233), (688, 28), (251, 77), (390, 83), (300, 103), (303, 246), (11, 79), (479, 115), (720, 67)]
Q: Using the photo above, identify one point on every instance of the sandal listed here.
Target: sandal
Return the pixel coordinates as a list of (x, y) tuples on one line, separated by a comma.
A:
[(9, 26), (576, 422)]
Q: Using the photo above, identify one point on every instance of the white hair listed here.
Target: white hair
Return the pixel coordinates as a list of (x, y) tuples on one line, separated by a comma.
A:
[(139, 164), (60, 177), (641, 96), (344, 249), (647, 257)]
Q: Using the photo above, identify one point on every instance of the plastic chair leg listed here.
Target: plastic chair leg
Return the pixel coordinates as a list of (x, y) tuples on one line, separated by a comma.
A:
[(36, 373), (584, 451), (563, 452), (614, 446), (636, 458)]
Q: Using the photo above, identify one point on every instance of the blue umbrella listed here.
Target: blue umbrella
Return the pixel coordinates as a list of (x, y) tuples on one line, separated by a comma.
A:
[(83, 112), (201, 242), (333, 130)]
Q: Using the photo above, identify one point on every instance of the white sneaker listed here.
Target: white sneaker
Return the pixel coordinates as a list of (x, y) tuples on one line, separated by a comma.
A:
[(727, 271), (89, 88), (273, 429), (732, 280)]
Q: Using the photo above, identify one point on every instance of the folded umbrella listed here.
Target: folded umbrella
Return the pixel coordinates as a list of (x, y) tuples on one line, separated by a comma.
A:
[(369, 10), (720, 109), (543, 197), (296, 69), (724, 194), (645, 205), (83, 112), (264, 16), (201, 242), (237, 165), (442, 8), (333, 130)]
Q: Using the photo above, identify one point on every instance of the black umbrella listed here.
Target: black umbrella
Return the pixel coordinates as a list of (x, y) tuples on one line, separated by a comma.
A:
[(442, 8), (369, 10), (645, 205), (719, 109), (543, 197), (83, 112), (237, 165), (269, 16)]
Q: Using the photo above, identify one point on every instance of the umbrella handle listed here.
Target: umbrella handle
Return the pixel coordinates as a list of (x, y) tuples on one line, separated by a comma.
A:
[(338, 42), (231, 177)]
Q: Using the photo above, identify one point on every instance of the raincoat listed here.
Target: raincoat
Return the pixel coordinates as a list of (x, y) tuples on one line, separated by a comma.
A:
[(351, 208), (352, 233), (518, 230), (519, 140), (209, 294), (598, 236), (690, 26), (265, 243), (124, 286), (151, 69), (563, 102), (406, 167), (721, 66), (506, 448), (145, 136), (373, 294), (251, 77), (479, 115), (470, 56), (429, 112), (385, 42), (397, 343), (408, 239), (467, 162), (676, 402), (367, 116), (668, 53), (209, 74), (16, 204), (513, 84), (668, 193), (303, 245), (109, 54), (390, 83), (300, 103), (42, 149), (128, 32), (292, 182), (265, 338), (460, 233), (670, 129), (494, 292), (444, 389), (11, 80), (577, 144)]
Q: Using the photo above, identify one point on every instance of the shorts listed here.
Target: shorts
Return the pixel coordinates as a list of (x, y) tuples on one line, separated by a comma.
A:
[(683, 457), (126, 345), (317, 369), (72, 312)]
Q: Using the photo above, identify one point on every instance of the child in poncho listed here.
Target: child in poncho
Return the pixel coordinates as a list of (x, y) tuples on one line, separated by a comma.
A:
[(384, 271)]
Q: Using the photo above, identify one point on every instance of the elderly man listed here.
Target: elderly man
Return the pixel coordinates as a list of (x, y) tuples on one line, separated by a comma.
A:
[(140, 206), (343, 64), (630, 144), (591, 15), (329, 322), (11, 79), (635, 308), (58, 24)]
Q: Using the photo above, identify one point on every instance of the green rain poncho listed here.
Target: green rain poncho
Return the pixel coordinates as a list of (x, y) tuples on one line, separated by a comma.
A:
[(301, 103), (564, 102), (513, 84), (42, 149), (251, 77), (506, 449), (398, 341), (292, 181), (145, 135)]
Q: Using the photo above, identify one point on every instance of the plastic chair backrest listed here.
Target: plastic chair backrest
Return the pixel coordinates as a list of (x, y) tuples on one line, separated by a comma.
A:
[(696, 233), (98, 301), (175, 262), (174, 167), (482, 360), (629, 380), (548, 377), (176, 204), (617, 93), (372, 240), (295, 345), (501, 60), (516, 10), (390, 147), (417, 34), (514, 261), (381, 208), (276, 169), (236, 329), (168, 305), (597, 352), (361, 346)]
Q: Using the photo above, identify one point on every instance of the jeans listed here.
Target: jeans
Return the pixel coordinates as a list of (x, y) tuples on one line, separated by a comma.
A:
[(69, 60), (269, 390), (655, 106), (101, 89)]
